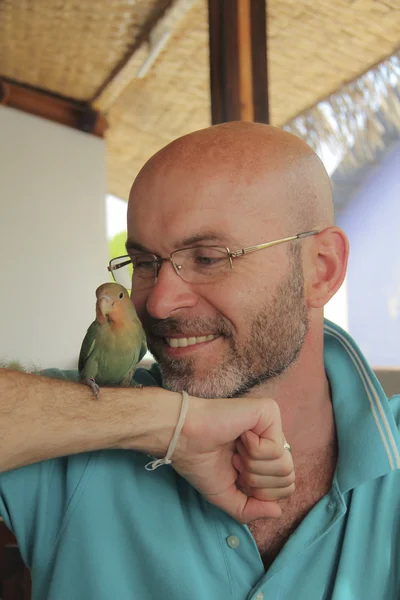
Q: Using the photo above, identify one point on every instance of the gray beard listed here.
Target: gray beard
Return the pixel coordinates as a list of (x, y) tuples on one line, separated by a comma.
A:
[(276, 337)]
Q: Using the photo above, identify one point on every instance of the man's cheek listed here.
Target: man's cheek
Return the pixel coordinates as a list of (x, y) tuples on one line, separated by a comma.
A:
[(140, 306)]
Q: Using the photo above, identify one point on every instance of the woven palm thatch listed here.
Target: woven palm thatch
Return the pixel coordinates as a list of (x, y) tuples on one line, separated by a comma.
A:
[(352, 123), (71, 47), (67, 46)]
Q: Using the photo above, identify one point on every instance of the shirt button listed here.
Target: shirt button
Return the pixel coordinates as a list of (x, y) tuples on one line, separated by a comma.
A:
[(233, 541), (260, 596)]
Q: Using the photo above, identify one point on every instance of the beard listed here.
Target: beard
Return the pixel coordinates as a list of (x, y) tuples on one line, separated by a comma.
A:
[(276, 336)]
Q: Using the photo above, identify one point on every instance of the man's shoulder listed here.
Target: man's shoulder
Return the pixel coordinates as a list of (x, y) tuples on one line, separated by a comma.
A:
[(147, 376), (394, 403), (66, 375), (150, 376)]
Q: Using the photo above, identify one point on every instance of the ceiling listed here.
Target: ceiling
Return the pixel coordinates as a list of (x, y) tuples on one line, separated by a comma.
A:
[(75, 48)]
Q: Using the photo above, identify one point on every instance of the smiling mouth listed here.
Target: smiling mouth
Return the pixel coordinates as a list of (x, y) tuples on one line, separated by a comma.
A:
[(183, 342)]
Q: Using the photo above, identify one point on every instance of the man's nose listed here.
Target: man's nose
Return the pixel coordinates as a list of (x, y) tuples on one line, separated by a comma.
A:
[(169, 294)]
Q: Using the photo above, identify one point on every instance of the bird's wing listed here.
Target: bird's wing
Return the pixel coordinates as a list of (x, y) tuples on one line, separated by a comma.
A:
[(88, 345), (139, 352), (143, 348)]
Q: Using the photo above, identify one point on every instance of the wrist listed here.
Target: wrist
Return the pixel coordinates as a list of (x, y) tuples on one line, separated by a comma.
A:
[(167, 459), (152, 420)]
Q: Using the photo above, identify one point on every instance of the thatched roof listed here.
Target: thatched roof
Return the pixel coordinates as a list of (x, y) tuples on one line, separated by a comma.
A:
[(72, 48)]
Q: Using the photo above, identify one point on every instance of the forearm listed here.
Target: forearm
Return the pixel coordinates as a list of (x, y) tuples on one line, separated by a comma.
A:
[(42, 418)]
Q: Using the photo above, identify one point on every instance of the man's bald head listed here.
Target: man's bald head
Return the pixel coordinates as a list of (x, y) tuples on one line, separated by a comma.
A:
[(232, 186), (287, 179)]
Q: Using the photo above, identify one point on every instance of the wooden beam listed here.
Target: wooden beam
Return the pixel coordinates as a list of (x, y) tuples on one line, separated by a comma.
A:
[(65, 111), (238, 60), (155, 15), (151, 41)]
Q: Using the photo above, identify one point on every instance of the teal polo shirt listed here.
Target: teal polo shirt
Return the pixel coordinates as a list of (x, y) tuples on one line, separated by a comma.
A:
[(98, 526)]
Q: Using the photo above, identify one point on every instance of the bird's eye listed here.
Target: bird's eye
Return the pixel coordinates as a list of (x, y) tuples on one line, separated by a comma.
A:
[(121, 295)]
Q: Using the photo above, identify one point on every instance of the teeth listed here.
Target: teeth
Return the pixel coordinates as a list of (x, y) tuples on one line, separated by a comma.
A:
[(183, 342)]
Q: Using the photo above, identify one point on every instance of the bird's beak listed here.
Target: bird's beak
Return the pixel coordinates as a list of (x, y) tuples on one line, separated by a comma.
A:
[(105, 304)]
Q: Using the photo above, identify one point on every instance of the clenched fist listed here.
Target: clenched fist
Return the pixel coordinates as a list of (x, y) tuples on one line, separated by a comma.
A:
[(232, 451)]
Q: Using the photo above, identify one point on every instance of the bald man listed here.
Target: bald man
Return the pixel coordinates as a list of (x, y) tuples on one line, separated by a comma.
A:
[(235, 252)]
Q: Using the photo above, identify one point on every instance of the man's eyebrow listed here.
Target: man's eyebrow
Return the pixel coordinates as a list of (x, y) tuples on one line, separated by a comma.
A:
[(201, 236), (205, 236), (132, 245)]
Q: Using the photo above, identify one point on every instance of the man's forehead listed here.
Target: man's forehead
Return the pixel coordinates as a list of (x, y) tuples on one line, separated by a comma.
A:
[(187, 217), (205, 197), (248, 182), (203, 236)]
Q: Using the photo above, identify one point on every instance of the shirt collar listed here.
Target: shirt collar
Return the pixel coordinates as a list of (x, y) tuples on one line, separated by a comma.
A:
[(368, 437)]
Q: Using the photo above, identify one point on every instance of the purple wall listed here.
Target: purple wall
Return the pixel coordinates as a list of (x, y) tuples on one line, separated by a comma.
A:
[(372, 223)]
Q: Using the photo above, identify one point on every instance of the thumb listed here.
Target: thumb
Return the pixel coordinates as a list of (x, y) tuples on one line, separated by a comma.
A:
[(266, 438), (243, 508)]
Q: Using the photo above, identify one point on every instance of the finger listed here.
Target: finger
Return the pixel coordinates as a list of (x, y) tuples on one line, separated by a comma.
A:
[(269, 426), (262, 448), (260, 481), (270, 494), (240, 447), (250, 444), (258, 509), (250, 480), (280, 467), (277, 468), (237, 463), (242, 508)]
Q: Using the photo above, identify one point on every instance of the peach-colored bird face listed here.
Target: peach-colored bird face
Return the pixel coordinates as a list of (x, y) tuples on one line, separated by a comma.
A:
[(113, 303)]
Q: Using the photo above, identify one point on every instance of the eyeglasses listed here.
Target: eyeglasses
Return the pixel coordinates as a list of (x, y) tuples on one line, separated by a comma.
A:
[(198, 264)]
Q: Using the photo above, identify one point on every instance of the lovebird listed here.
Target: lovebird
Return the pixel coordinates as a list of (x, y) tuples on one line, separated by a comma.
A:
[(114, 343)]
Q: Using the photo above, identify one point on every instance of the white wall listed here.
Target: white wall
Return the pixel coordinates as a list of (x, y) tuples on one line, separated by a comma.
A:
[(53, 248), (337, 308)]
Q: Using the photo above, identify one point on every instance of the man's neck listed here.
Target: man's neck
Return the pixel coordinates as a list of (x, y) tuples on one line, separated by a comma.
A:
[(308, 421), (304, 398)]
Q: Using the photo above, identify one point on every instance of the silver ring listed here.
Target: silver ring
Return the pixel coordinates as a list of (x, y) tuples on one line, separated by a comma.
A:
[(287, 446)]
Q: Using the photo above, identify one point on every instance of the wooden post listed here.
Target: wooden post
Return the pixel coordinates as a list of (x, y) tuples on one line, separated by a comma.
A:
[(238, 60)]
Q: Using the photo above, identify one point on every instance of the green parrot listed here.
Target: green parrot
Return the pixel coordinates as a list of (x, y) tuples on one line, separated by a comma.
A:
[(114, 343)]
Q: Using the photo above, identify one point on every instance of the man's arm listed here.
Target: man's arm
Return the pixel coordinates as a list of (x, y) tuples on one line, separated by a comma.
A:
[(42, 418)]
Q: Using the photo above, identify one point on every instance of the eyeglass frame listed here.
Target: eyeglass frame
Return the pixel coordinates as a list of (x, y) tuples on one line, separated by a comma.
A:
[(231, 254)]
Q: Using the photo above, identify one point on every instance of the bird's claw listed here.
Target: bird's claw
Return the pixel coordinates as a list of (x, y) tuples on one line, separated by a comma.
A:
[(93, 386)]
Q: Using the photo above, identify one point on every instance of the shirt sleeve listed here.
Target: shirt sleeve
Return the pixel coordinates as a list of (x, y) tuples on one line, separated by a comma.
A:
[(36, 499), (395, 406)]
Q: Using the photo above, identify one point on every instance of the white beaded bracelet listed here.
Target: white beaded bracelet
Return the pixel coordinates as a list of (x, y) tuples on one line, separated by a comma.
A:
[(154, 464)]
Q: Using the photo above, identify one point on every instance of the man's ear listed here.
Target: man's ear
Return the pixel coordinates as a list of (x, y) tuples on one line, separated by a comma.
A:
[(326, 264)]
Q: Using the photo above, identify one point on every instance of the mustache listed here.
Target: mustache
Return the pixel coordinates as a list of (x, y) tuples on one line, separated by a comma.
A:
[(187, 327)]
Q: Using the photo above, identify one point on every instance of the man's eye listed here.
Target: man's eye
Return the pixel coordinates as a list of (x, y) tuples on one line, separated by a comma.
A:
[(144, 265), (207, 260)]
